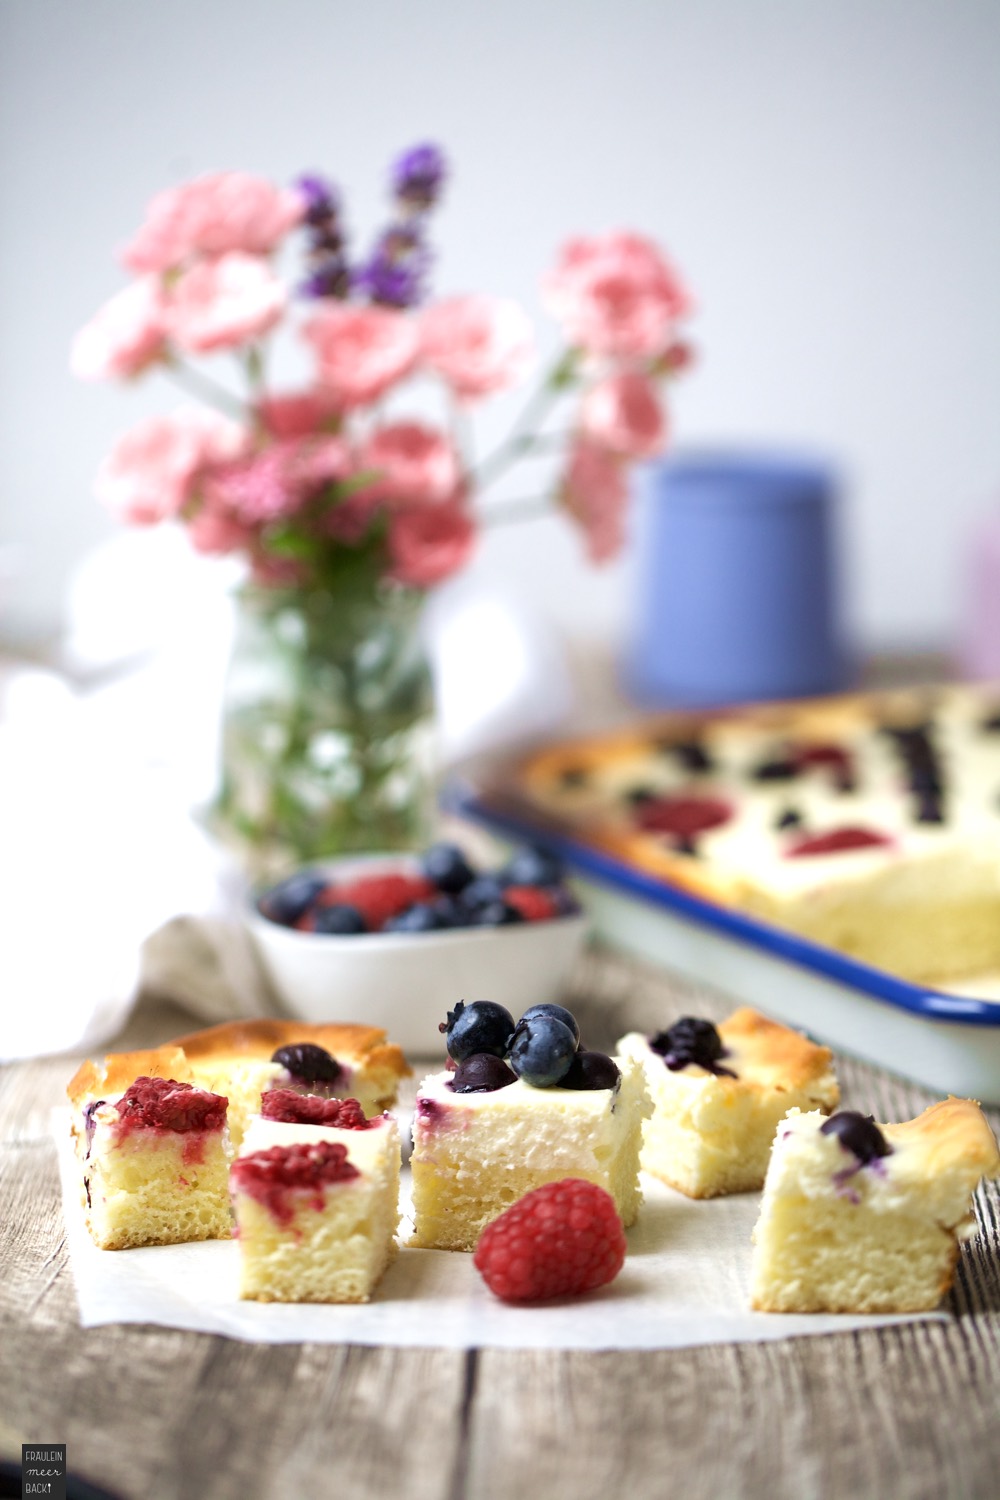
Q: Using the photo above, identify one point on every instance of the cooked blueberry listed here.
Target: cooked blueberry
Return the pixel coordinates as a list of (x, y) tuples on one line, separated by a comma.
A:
[(790, 818), (684, 844), (775, 770), (574, 776), (532, 866), (929, 808), (482, 1073), (549, 1008), (307, 1061), (495, 914), (482, 1026), (287, 901), (341, 920), (858, 1134), (691, 1040), (541, 1051), (419, 918), (637, 795), (591, 1070), (481, 892), (447, 867), (693, 756)]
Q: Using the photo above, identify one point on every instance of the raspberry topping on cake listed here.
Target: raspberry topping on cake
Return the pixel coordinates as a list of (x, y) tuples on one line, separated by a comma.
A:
[(164, 1104), (839, 841), (684, 817), (273, 1176), (309, 1109), (560, 1240)]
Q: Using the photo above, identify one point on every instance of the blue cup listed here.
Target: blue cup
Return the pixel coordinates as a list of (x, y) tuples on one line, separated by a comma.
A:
[(737, 596)]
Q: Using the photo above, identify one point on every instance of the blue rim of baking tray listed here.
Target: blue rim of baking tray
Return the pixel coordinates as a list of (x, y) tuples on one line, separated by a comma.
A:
[(929, 1004)]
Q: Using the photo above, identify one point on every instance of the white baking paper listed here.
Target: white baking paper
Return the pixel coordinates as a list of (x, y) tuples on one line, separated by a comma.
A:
[(685, 1282)]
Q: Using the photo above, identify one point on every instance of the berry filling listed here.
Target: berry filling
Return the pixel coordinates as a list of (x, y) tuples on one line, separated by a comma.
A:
[(310, 1109), (276, 1177), (482, 1073), (839, 761), (591, 1070), (306, 1063), (164, 1104), (858, 1134), (684, 817), (839, 841)]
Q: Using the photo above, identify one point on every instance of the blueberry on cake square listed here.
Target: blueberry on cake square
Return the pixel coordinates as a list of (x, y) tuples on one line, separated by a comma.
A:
[(315, 1218), (718, 1094), (866, 1218), (155, 1164), (524, 1105)]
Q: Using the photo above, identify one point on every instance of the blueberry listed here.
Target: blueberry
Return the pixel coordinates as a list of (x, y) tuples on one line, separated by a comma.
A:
[(541, 1051), (308, 1062), (286, 902), (858, 1134), (481, 892), (559, 1011), (479, 1027), (691, 1040), (344, 921), (495, 914), (532, 866), (452, 912), (591, 1070), (447, 867), (419, 918), (482, 1073)]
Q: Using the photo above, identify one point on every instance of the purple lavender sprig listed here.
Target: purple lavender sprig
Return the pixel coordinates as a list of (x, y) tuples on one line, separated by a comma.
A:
[(329, 270), (418, 177), (396, 274)]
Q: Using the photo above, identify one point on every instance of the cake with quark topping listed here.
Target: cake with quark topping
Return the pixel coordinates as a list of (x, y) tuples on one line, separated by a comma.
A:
[(523, 1105), (718, 1094), (866, 823), (244, 1059), (155, 1165), (858, 1217), (315, 1216)]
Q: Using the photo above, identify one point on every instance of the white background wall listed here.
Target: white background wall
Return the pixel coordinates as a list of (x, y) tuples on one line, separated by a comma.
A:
[(826, 173)]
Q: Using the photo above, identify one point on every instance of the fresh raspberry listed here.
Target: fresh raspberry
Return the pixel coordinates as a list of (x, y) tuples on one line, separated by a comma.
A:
[(557, 1241), (378, 897), (534, 904), (165, 1104)]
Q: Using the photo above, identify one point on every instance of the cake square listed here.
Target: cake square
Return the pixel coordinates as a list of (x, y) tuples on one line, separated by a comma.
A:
[(474, 1154), (718, 1094), (155, 1166), (863, 1218), (316, 1212)]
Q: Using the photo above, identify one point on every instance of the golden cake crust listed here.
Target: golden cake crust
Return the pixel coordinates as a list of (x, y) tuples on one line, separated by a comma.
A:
[(257, 1040), (120, 1069), (772, 1054), (954, 1132)]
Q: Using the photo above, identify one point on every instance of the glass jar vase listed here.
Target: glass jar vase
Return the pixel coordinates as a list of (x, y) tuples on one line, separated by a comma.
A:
[(327, 734)]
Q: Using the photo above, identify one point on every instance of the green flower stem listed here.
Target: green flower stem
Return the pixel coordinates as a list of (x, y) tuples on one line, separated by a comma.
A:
[(196, 383), (523, 435)]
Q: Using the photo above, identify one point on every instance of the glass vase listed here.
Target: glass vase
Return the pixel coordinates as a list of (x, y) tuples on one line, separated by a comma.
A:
[(327, 735)]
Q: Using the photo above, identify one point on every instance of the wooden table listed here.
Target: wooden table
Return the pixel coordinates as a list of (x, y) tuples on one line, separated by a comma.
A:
[(910, 1411)]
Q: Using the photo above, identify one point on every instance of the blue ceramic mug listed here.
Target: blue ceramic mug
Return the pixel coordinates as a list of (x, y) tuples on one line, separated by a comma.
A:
[(736, 595)]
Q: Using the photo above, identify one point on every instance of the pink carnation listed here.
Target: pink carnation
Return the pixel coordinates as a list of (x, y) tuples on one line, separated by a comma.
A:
[(616, 295), (220, 303), (595, 494), (298, 414), (429, 543), (151, 472), (215, 533), (212, 215), (623, 413), (477, 344), (275, 482), (123, 336), (362, 351), (412, 463)]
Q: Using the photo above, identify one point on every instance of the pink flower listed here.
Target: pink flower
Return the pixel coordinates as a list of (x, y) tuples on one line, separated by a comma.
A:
[(412, 463), (298, 414), (616, 295), (623, 413), (212, 215), (220, 303), (151, 472), (477, 344), (216, 533), (429, 543), (362, 351), (123, 336), (275, 482), (595, 494)]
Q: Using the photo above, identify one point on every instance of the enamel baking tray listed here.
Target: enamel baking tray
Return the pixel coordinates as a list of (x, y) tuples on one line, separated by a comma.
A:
[(946, 1039)]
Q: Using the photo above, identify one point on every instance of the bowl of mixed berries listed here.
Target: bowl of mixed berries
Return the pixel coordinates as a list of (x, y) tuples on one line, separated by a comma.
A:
[(387, 939)]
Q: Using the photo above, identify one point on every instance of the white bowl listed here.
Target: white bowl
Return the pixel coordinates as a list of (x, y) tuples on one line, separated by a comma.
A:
[(406, 982)]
